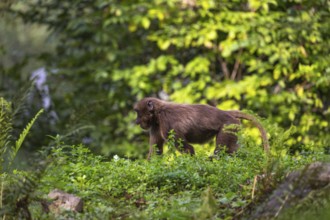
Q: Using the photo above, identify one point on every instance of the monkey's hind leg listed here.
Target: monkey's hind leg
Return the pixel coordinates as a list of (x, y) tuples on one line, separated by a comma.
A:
[(186, 148), (226, 139)]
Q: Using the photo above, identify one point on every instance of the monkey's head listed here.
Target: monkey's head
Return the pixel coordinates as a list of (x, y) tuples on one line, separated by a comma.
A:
[(146, 111)]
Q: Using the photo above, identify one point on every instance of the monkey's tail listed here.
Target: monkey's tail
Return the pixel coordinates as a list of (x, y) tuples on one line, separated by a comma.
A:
[(254, 120)]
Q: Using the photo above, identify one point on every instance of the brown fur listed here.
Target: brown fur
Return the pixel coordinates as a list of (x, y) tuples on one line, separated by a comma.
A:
[(191, 123)]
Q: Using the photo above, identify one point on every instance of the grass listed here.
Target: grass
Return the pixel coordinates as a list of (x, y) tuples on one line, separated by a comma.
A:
[(172, 186)]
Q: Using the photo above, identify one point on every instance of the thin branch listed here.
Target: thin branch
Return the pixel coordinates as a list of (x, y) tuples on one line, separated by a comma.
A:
[(254, 186), (224, 67), (236, 65)]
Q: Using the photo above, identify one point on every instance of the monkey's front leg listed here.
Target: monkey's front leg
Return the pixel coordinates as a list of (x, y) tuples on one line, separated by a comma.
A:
[(155, 140), (150, 152)]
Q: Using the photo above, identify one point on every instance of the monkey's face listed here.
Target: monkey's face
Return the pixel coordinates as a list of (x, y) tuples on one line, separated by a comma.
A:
[(144, 113), (143, 119)]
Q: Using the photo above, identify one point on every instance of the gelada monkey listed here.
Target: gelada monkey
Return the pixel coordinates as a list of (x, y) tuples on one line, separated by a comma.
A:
[(191, 124)]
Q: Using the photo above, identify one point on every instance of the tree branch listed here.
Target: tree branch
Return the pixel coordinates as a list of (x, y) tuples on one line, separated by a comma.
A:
[(236, 65), (224, 67)]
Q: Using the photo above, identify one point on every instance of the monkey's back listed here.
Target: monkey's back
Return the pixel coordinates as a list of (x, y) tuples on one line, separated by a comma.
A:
[(193, 123)]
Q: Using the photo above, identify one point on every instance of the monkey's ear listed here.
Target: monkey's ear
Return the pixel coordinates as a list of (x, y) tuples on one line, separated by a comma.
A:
[(150, 106)]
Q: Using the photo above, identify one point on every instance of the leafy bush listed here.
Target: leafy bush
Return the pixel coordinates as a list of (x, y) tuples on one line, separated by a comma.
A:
[(270, 57), (170, 186)]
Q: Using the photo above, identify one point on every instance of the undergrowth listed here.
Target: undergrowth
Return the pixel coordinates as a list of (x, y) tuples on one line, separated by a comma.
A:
[(172, 186)]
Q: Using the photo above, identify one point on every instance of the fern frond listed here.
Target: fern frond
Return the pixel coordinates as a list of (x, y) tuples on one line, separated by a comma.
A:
[(20, 99), (78, 130), (5, 128), (22, 136)]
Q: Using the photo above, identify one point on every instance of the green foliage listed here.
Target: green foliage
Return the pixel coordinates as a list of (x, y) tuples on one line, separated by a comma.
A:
[(17, 193), (173, 143), (270, 57), (6, 145), (16, 187), (6, 129), (22, 136), (170, 186), (209, 205), (6, 118)]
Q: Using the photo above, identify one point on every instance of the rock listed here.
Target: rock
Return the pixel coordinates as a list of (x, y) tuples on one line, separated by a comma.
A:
[(296, 187), (64, 201)]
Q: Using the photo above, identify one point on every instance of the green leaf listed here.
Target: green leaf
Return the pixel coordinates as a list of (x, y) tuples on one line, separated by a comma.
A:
[(163, 44), (145, 22)]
